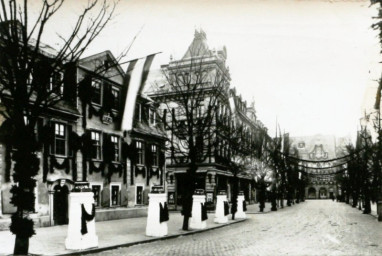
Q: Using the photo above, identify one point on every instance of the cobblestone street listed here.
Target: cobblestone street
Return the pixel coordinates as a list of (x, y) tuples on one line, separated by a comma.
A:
[(310, 228)]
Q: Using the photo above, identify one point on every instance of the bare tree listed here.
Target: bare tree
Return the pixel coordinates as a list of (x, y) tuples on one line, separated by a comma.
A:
[(243, 145), (32, 80), (192, 88)]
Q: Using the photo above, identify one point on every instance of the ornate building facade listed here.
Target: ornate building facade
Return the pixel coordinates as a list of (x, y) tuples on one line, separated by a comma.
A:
[(202, 68), (316, 152), (82, 141)]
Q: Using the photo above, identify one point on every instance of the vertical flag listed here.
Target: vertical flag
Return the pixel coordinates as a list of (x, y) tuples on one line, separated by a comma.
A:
[(136, 76)]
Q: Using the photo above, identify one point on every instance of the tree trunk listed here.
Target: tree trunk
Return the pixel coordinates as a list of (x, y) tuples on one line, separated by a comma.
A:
[(273, 202), (234, 196), (185, 222), (289, 197), (367, 209), (262, 199), (187, 200), (21, 246)]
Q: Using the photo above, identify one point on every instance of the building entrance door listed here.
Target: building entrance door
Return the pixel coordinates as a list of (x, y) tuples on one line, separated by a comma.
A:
[(60, 205), (139, 195), (312, 193)]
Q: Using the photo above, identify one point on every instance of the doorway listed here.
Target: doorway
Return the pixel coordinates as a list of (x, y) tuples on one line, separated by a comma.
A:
[(139, 195), (312, 193), (60, 204)]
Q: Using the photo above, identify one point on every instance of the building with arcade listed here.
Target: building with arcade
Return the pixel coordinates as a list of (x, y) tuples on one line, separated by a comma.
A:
[(318, 156)]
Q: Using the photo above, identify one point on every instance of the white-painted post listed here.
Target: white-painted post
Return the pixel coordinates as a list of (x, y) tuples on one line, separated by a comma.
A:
[(219, 211), (75, 240), (196, 219), (154, 227), (240, 214)]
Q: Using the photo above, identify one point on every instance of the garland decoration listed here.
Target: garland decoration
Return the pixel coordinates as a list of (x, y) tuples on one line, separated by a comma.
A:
[(85, 93), (23, 227), (140, 170), (124, 172), (46, 137), (86, 145), (85, 217), (163, 213), (54, 164), (154, 171), (204, 211), (93, 168), (113, 168), (8, 162)]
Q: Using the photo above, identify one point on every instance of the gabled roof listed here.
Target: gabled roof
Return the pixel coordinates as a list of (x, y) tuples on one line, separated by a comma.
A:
[(198, 47), (101, 55)]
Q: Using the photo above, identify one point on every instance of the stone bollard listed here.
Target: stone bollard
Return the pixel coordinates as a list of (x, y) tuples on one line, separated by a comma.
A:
[(199, 210), (81, 227), (221, 212), (157, 215), (240, 214)]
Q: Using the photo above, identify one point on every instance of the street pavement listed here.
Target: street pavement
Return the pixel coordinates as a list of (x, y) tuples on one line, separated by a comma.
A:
[(124, 232), (317, 227)]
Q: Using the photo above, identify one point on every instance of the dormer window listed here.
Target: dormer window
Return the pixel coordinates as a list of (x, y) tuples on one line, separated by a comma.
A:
[(116, 101), (56, 84), (96, 87)]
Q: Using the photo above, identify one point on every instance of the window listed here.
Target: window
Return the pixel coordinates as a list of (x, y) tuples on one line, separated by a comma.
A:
[(56, 83), (59, 139), (96, 86), (96, 145), (97, 194), (114, 195), (115, 142), (154, 151), (116, 102), (139, 146)]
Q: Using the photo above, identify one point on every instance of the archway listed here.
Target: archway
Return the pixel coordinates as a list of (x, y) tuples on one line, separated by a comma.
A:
[(312, 193), (323, 193), (60, 204)]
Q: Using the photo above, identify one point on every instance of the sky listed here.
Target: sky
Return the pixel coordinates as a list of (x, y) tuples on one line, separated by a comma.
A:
[(305, 63)]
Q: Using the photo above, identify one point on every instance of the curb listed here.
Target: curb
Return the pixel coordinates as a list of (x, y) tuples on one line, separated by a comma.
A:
[(192, 232)]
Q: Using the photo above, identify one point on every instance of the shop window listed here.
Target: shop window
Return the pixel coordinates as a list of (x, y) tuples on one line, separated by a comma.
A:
[(139, 195), (96, 145), (97, 194), (114, 195)]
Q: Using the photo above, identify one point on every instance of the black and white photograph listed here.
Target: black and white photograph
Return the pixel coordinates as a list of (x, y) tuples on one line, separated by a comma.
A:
[(190, 127)]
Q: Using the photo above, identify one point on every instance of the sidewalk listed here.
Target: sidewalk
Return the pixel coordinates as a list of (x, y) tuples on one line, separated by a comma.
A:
[(111, 234)]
